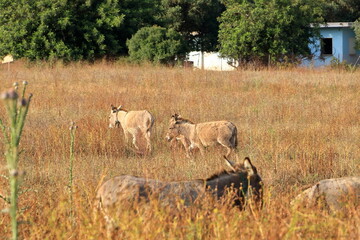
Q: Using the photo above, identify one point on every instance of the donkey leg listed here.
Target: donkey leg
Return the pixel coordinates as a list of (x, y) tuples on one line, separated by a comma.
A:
[(201, 148), (134, 140), (229, 151), (228, 147), (148, 143), (127, 135), (186, 146)]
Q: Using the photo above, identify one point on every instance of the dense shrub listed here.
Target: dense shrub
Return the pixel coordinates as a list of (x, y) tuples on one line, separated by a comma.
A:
[(157, 45)]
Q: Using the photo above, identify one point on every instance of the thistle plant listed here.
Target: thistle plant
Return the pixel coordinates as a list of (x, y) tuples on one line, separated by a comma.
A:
[(17, 108)]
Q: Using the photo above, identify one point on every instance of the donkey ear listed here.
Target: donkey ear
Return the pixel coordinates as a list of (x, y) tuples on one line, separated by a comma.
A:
[(249, 167), (230, 164)]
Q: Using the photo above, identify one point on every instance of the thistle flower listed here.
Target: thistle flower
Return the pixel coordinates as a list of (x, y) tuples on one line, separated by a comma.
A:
[(13, 94), (9, 94), (23, 102), (72, 126), (5, 95), (14, 172)]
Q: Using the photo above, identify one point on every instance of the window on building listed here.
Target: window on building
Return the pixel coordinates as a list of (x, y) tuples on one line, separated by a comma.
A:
[(326, 46), (352, 49)]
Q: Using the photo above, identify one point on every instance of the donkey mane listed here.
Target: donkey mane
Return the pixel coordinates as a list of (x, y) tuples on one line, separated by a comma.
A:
[(219, 174), (183, 120), (239, 168), (123, 109)]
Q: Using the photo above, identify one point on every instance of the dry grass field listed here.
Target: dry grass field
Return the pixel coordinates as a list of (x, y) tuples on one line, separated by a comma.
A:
[(298, 127)]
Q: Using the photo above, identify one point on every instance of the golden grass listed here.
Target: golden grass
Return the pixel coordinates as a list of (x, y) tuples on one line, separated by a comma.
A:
[(298, 126)]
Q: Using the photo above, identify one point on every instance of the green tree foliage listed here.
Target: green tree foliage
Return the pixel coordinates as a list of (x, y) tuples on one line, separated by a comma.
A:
[(341, 10), (156, 44), (196, 20), (137, 14), (263, 31), (59, 29), (357, 33)]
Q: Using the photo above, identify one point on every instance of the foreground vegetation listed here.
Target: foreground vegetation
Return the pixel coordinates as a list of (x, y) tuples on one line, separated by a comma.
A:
[(298, 126)]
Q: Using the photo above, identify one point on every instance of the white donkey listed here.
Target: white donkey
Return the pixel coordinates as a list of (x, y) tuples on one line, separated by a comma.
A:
[(133, 123)]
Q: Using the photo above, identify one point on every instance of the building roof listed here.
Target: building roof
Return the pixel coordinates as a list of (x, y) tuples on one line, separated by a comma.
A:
[(336, 24)]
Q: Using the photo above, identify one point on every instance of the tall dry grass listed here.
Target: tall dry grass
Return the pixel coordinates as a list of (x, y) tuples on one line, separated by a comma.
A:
[(298, 126)]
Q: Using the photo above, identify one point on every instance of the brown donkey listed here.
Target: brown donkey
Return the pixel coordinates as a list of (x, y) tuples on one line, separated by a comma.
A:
[(204, 134)]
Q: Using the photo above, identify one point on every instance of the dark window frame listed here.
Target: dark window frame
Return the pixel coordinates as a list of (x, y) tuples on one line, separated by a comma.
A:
[(327, 46)]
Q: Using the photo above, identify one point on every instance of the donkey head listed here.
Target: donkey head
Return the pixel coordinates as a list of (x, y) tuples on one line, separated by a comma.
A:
[(254, 190), (113, 117)]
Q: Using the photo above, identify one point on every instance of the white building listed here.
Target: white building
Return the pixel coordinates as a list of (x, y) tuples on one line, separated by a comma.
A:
[(209, 61)]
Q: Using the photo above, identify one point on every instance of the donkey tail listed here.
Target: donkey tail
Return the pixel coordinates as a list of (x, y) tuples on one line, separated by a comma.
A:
[(234, 139)]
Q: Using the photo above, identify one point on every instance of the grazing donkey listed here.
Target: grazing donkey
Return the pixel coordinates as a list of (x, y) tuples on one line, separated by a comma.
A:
[(204, 134), (133, 123), (333, 194), (243, 179)]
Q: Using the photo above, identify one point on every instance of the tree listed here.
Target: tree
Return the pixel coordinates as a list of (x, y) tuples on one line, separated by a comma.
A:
[(196, 20), (137, 14), (156, 44), (357, 33), (59, 29), (341, 10), (263, 31)]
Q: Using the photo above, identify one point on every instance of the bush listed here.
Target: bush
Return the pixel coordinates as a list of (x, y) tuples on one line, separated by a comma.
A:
[(157, 45)]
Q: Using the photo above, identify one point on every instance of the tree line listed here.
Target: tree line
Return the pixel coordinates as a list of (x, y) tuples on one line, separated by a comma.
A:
[(163, 31)]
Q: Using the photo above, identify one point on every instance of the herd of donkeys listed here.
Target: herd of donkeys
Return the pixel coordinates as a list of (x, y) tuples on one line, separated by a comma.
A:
[(242, 178)]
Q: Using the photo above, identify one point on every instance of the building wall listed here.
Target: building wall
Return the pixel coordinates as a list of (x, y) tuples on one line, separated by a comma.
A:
[(341, 47), (349, 54), (211, 61)]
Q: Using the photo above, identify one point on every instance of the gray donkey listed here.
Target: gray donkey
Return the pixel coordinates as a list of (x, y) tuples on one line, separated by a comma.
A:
[(242, 182), (243, 179)]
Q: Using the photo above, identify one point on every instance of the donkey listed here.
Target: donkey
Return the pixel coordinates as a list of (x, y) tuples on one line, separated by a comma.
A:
[(239, 184), (133, 123), (173, 137), (243, 179), (204, 134), (331, 194)]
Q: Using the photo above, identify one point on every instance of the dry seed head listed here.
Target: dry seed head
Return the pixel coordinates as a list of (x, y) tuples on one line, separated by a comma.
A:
[(15, 84), (25, 83)]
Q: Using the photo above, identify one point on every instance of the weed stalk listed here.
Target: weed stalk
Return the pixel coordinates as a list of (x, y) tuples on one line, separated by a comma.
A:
[(17, 109), (72, 128)]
